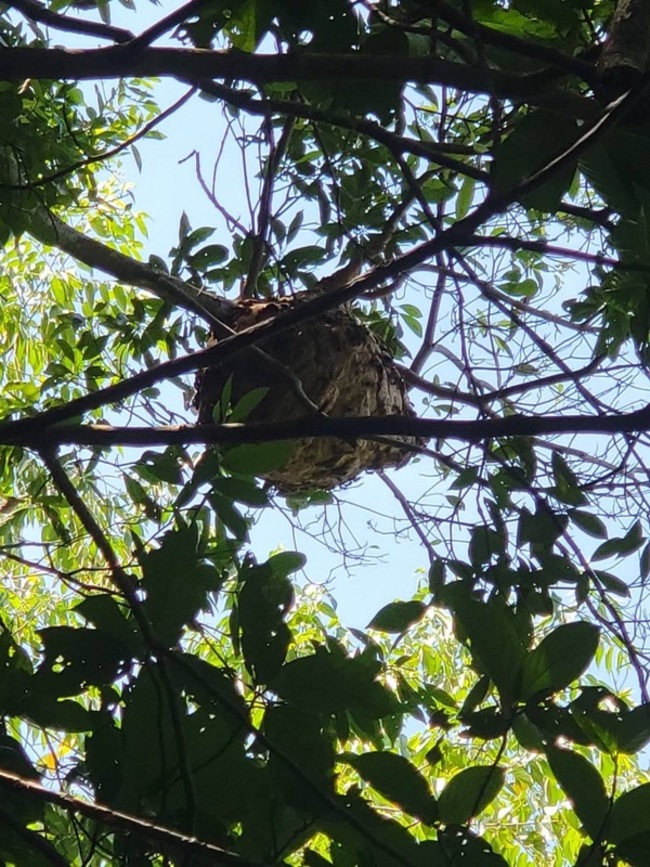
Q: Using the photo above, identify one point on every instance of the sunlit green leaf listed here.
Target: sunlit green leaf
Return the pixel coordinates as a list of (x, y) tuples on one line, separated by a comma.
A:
[(469, 792), (584, 786), (398, 781), (559, 659), (398, 616)]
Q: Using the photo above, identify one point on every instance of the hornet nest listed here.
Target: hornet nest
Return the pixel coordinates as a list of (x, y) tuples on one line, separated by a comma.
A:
[(343, 368)]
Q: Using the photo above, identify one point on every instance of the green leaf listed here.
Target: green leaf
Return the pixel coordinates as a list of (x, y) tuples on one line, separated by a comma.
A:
[(496, 644), (635, 850), (75, 658), (313, 859), (521, 289), (242, 26), (398, 781), (229, 515), (485, 543), (332, 683), (197, 236), (630, 815), (176, 582), (465, 198), (541, 528), (436, 577), (612, 583), (300, 736), (634, 731), (588, 523), (398, 616), (584, 787), (303, 256), (108, 615), (244, 407), (477, 694), (559, 659), (632, 541), (286, 563), (486, 724), (257, 459), (469, 792), (459, 846), (644, 562), (241, 490), (208, 256), (567, 487), (264, 599), (164, 467)]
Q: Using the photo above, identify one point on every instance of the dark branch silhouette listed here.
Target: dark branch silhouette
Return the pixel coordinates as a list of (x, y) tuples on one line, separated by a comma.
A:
[(31, 432)]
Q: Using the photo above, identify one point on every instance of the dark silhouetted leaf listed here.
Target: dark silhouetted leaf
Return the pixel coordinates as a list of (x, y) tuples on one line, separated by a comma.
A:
[(398, 781), (177, 583), (559, 659), (584, 786), (469, 792), (630, 816), (398, 616), (537, 138), (588, 523), (328, 682), (259, 458)]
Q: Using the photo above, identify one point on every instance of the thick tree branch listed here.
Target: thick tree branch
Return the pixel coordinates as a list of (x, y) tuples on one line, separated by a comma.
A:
[(47, 228), (122, 61), (349, 427)]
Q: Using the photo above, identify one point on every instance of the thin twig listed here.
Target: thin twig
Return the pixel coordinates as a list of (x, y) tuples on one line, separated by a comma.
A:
[(412, 517)]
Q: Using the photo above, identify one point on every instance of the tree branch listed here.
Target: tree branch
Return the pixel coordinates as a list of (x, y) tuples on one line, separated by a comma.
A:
[(624, 56), (35, 11), (122, 61), (524, 47), (348, 427), (127, 824), (434, 151), (165, 24), (47, 228)]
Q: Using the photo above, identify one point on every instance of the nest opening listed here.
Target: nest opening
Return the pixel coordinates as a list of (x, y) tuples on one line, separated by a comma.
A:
[(343, 368)]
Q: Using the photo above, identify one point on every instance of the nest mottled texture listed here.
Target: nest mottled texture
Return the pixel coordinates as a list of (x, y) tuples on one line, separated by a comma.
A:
[(343, 368)]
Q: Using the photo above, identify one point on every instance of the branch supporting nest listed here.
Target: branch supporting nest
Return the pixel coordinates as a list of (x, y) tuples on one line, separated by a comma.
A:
[(343, 368)]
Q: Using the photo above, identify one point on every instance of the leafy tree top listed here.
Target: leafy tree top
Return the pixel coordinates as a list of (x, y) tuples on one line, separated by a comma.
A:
[(444, 198)]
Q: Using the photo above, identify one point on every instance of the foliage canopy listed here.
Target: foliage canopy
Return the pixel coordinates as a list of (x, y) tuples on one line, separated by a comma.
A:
[(467, 181)]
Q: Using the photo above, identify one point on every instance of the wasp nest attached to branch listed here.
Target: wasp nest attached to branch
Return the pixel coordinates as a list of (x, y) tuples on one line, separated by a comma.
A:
[(342, 367)]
